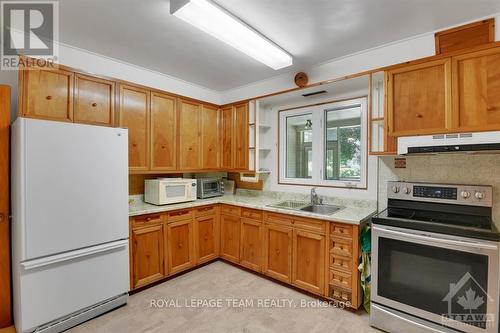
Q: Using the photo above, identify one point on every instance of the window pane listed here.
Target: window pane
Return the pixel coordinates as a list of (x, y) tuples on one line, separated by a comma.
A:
[(299, 138), (343, 144)]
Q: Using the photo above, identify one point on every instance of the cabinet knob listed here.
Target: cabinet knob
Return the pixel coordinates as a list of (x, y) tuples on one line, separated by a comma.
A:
[(2, 217), (278, 252), (418, 115), (163, 147), (94, 105), (179, 245), (48, 97), (134, 145), (190, 148)]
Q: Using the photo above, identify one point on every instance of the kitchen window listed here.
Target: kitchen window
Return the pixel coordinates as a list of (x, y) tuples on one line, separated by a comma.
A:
[(324, 145)]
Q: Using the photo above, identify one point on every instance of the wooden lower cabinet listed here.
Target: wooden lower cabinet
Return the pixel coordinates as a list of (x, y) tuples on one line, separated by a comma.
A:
[(147, 255), (230, 238), (308, 261), (180, 246), (207, 238), (251, 244), (278, 252)]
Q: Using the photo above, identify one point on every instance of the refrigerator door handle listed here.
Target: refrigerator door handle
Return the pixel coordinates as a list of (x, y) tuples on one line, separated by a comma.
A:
[(58, 258)]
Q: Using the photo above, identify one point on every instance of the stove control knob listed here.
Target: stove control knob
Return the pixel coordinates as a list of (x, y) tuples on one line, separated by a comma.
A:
[(465, 194), (395, 189), (406, 190), (480, 195)]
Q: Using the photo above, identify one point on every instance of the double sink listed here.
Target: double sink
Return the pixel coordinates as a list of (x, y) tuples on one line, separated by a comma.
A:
[(321, 209)]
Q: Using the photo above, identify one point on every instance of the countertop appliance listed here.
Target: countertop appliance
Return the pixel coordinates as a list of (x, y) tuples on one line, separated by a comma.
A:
[(210, 187), (70, 223), (435, 260), (165, 191), (449, 143)]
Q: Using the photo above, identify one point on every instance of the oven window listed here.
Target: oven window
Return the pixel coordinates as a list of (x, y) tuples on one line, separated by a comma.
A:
[(433, 279), (211, 187), (174, 191)]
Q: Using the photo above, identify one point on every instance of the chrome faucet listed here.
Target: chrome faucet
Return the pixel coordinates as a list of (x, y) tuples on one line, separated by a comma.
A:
[(314, 197)]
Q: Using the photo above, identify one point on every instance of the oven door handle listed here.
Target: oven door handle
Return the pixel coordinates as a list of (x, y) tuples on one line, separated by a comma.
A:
[(421, 237)]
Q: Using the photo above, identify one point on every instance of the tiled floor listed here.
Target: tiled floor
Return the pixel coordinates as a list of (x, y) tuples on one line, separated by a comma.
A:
[(245, 303)]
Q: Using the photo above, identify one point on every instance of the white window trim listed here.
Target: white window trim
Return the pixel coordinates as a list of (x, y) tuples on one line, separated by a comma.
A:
[(318, 145)]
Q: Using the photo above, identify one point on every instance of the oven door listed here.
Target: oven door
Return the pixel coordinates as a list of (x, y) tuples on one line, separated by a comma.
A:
[(452, 281), (176, 192), (211, 188)]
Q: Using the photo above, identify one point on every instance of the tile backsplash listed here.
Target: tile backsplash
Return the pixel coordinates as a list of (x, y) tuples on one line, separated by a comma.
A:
[(476, 169)]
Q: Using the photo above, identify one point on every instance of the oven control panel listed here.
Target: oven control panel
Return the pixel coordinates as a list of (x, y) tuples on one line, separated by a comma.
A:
[(472, 195)]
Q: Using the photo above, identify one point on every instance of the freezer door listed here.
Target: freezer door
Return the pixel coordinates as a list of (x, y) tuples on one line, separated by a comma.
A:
[(49, 288), (71, 187)]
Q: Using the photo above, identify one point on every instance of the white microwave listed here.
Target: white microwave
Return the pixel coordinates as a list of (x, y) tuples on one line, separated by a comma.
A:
[(164, 191)]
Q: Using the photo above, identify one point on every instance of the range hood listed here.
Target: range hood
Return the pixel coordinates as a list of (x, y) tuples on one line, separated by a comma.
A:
[(449, 143)]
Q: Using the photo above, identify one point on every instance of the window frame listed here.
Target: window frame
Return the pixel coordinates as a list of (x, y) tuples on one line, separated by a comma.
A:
[(319, 112)]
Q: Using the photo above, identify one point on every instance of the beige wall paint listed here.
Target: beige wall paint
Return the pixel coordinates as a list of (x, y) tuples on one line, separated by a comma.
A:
[(476, 169)]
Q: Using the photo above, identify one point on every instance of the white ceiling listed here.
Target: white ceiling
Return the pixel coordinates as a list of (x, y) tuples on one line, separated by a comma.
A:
[(142, 32)]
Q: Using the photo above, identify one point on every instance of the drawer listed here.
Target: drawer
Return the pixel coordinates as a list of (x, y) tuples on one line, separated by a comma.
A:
[(341, 246), (340, 294), (310, 224), (340, 279), (341, 230), (144, 220), (206, 210), (278, 218), (251, 214), (179, 215), (231, 210), (340, 263)]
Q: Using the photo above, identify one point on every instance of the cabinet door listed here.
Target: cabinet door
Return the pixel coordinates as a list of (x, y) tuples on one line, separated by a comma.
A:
[(210, 138), (189, 135), (147, 255), (476, 83), (251, 244), (227, 126), (180, 246), (163, 132), (134, 115), (48, 94), (241, 137), (309, 261), (230, 237), (278, 252), (94, 101), (207, 238), (419, 98)]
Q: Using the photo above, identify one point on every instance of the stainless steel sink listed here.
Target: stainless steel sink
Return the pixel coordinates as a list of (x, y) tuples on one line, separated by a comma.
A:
[(290, 204), (321, 209)]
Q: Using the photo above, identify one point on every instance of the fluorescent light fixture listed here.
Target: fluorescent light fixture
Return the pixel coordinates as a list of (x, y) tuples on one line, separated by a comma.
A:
[(214, 20)]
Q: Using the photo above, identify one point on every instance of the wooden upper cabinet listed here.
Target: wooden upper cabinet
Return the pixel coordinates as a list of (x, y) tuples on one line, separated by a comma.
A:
[(94, 101), (309, 261), (476, 91), (241, 137), (134, 115), (180, 246), (163, 132), (47, 94), (147, 255), (419, 98), (227, 129), (210, 134), (278, 252), (189, 135)]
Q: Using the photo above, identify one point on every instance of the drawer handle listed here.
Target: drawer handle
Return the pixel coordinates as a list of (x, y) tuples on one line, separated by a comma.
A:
[(48, 97), (204, 209), (2, 217), (180, 213), (190, 148), (94, 105), (418, 115), (163, 147)]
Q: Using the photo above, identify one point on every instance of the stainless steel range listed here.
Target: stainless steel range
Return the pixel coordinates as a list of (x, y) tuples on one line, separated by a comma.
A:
[(435, 260)]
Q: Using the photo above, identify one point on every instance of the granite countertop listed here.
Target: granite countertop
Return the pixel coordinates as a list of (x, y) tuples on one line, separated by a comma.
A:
[(355, 211)]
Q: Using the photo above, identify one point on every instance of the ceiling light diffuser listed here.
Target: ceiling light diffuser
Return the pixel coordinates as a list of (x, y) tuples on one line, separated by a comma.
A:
[(214, 20)]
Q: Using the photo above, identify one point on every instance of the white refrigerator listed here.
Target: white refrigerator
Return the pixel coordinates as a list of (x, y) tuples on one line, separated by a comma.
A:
[(70, 223)]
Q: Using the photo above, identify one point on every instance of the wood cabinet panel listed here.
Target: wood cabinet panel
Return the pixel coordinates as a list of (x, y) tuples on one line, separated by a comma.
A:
[(230, 238), (147, 255), (227, 145), (94, 101), (207, 238), (241, 137), (419, 98), (278, 252), (163, 132), (476, 91), (308, 261), (180, 246), (210, 137), (134, 115), (251, 244), (48, 94), (189, 136)]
